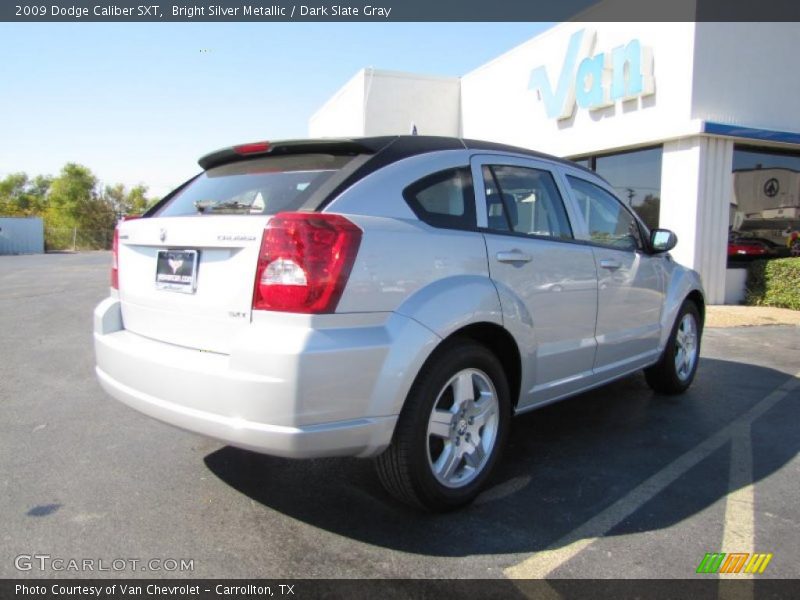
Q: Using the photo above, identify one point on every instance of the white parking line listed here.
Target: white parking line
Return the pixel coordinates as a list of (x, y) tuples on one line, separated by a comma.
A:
[(543, 563), (739, 527), (739, 533)]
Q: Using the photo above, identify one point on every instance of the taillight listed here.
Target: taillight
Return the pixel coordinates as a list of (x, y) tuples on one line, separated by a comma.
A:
[(304, 262), (115, 251), (115, 259)]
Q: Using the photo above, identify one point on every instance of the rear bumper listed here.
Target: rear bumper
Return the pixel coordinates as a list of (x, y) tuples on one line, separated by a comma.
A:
[(284, 390), (346, 438)]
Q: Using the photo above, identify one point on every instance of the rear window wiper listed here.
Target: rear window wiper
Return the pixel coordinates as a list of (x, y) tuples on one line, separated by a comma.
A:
[(212, 205)]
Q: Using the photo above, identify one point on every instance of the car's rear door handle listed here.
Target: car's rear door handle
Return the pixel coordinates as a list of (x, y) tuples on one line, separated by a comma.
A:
[(513, 256), (607, 263)]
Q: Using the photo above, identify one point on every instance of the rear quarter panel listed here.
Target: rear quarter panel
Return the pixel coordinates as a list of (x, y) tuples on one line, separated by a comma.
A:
[(437, 277)]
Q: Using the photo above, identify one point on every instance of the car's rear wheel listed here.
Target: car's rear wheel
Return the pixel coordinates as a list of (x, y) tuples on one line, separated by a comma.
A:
[(676, 369), (451, 429)]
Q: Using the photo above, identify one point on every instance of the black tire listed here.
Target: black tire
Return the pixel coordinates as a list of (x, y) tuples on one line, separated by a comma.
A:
[(663, 377), (406, 468)]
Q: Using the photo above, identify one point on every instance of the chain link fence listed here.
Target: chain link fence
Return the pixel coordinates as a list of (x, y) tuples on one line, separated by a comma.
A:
[(72, 238)]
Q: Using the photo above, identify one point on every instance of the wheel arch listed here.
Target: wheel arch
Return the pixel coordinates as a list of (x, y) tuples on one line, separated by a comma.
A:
[(696, 296), (683, 284), (502, 344)]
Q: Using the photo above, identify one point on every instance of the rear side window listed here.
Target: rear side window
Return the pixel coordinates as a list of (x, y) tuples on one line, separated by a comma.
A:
[(445, 199), (524, 200), (260, 186)]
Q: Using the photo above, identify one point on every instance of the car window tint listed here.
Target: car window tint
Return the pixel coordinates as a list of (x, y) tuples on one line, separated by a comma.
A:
[(608, 221), (255, 187), (495, 208), (530, 202), (444, 199)]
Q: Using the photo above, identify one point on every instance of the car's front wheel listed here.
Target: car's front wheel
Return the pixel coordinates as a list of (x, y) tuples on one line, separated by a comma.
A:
[(451, 430), (674, 373)]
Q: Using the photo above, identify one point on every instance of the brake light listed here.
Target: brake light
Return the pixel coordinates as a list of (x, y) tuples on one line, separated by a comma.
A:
[(253, 148), (115, 259), (304, 262)]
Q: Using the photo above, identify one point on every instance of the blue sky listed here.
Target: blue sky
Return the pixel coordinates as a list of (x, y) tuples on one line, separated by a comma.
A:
[(141, 102)]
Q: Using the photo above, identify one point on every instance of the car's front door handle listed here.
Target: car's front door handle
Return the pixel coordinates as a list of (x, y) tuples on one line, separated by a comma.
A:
[(607, 263), (514, 256)]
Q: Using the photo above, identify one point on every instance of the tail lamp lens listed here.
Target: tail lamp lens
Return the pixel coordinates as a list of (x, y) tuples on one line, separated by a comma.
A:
[(115, 260), (304, 262)]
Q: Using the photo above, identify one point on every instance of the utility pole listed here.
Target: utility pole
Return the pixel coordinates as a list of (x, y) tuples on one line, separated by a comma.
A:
[(631, 194)]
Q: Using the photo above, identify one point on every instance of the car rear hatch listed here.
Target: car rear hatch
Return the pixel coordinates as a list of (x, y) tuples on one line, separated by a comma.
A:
[(186, 271)]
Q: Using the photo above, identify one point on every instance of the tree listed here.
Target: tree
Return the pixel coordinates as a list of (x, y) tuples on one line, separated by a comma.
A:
[(648, 210), (138, 200), (21, 196), (116, 197), (72, 192), (75, 204), (76, 211), (128, 202)]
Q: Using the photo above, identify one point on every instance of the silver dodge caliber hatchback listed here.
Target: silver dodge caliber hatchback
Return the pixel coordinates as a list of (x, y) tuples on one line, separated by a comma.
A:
[(392, 297)]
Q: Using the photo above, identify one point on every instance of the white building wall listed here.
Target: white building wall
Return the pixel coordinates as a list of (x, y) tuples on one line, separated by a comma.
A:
[(696, 187), (343, 114), (746, 74), (378, 102), (395, 101), (498, 105)]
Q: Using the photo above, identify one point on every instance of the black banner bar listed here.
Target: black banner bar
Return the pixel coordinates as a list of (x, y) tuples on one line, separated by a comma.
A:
[(397, 10), (701, 588)]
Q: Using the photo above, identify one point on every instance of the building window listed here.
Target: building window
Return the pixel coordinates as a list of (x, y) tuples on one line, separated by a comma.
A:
[(765, 208), (635, 176)]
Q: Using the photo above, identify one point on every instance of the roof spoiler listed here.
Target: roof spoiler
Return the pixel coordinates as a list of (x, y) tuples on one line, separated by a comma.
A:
[(281, 148)]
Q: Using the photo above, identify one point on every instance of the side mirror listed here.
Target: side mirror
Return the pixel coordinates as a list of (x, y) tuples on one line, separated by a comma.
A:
[(662, 240)]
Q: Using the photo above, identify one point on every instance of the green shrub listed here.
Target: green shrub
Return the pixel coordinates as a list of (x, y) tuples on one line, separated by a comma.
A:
[(774, 283)]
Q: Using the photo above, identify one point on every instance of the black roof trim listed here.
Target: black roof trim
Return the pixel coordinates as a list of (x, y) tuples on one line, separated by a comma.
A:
[(391, 148), (497, 147), (401, 146)]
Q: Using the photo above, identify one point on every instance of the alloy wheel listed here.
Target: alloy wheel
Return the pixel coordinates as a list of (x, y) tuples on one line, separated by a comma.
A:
[(686, 347), (462, 428)]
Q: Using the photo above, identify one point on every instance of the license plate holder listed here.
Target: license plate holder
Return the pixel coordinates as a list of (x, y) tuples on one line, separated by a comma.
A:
[(176, 270)]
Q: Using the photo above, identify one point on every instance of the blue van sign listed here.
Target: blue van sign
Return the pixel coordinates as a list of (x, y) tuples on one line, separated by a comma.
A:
[(598, 80)]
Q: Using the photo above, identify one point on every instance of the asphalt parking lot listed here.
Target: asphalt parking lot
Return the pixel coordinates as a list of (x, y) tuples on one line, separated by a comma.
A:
[(618, 482)]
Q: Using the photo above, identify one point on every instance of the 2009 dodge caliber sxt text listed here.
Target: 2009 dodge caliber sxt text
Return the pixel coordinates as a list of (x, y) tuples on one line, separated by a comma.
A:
[(396, 297)]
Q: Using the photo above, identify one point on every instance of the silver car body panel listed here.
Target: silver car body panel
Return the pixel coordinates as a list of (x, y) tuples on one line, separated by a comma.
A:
[(549, 303), (630, 298), (289, 381), (330, 385)]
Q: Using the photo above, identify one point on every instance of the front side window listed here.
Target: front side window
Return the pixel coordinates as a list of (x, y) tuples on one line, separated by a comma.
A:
[(636, 177), (608, 221), (445, 199), (524, 200)]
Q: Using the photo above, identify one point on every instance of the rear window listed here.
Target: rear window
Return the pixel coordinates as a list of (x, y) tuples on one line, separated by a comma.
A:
[(260, 186)]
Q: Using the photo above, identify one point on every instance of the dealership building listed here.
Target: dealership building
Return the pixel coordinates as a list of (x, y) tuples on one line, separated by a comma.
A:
[(696, 125)]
